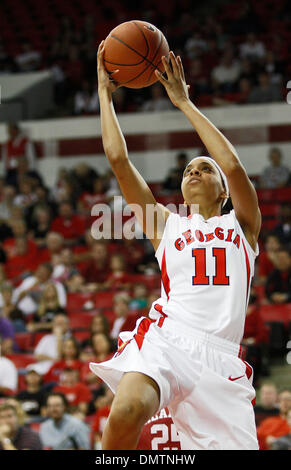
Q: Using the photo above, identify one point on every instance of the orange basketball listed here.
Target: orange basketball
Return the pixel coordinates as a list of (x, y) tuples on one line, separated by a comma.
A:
[(135, 48)]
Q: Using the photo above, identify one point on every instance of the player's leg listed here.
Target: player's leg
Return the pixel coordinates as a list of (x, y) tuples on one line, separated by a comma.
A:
[(137, 399)]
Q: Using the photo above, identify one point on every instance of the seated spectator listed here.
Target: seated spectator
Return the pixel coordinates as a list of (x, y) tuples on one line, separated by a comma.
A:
[(8, 374), (278, 284), (195, 45), (226, 74), (125, 320), (276, 175), (139, 299), (133, 251), (97, 196), (268, 396), (76, 392), (158, 100), (6, 328), (32, 397), (54, 243), (7, 202), (266, 258), (64, 265), (97, 269), (24, 260), (284, 442), (29, 292), (68, 224), (69, 359), (83, 177), (86, 99), (25, 197), (275, 426), (19, 229), (17, 146), (99, 324), (174, 178), (283, 229), (49, 307), (49, 348), (102, 349), (76, 283), (61, 431), (265, 91), (255, 339), (8, 308), (252, 48), (13, 434), (103, 406), (29, 59), (40, 224), (117, 279)]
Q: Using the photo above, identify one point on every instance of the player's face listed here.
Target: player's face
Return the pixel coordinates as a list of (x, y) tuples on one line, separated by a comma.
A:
[(201, 178)]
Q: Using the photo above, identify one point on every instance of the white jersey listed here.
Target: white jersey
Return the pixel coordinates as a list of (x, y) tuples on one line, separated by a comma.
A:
[(206, 268)]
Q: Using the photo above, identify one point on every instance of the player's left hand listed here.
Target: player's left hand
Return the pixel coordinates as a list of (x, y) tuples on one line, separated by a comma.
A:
[(175, 83)]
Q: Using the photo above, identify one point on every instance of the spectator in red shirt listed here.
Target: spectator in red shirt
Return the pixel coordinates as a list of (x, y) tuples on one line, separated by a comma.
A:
[(268, 406), (118, 278), (102, 405), (97, 269), (54, 244), (255, 339), (266, 258), (76, 392), (70, 359), (18, 145), (70, 225), (125, 320), (23, 262), (276, 426)]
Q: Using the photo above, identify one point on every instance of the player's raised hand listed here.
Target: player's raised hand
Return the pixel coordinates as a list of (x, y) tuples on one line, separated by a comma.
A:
[(105, 80), (175, 83)]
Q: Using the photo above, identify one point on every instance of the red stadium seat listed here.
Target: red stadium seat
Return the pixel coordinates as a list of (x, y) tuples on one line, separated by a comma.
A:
[(37, 337), (104, 299), (79, 301), (81, 335), (24, 341), (276, 312), (267, 195), (270, 210), (21, 360), (80, 321), (284, 195)]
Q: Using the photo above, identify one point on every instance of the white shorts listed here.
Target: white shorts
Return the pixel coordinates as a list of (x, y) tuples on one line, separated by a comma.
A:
[(206, 386)]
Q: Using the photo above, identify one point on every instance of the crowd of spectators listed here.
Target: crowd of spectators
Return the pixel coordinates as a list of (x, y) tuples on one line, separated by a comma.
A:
[(68, 296), (232, 53)]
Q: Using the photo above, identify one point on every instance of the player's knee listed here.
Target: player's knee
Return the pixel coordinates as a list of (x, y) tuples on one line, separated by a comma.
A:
[(130, 415)]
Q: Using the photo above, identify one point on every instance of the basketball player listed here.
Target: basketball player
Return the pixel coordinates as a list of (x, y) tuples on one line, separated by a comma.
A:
[(186, 355)]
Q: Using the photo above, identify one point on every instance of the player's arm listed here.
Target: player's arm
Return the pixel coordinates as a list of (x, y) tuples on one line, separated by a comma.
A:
[(242, 192), (133, 186)]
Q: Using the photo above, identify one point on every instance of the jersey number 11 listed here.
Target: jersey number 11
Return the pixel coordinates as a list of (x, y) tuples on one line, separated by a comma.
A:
[(201, 279)]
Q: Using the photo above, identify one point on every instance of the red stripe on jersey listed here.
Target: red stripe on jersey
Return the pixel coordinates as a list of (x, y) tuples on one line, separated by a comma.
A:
[(165, 277), (248, 269), (142, 329), (159, 309)]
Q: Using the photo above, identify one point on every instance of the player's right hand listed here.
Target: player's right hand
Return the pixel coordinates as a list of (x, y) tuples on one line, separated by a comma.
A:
[(105, 80)]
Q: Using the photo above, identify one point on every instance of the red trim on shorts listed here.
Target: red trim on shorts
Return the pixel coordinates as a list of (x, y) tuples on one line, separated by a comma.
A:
[(165, 277), (248, 269), (159, 309), (249, 373), (142, 329)]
